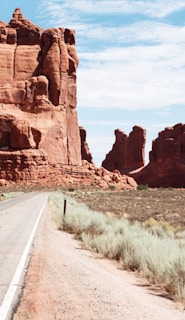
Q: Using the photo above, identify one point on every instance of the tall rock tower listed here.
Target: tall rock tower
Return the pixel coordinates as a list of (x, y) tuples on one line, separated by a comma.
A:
[(38, 118)]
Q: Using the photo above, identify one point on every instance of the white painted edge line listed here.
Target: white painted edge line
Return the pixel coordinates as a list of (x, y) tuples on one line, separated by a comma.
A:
[(8, 299)]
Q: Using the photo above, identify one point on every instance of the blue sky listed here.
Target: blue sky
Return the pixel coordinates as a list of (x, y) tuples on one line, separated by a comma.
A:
[(132, 62)]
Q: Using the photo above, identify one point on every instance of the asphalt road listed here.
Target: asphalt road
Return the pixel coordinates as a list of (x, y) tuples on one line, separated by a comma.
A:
[(18, 218)]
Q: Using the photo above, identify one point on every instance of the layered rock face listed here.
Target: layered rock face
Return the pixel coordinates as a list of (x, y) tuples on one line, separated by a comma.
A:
[(38, 117), (85, 152), (127, 153), (40, 140), (166, 167)]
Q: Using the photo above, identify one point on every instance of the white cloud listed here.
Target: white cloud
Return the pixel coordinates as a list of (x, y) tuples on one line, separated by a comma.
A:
[(142, 65), (163, 54), (140, 32), (139, 65), (149, 8), (133, 78)]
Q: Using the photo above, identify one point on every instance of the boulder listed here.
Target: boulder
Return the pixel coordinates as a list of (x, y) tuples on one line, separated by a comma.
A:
[(102, 178)]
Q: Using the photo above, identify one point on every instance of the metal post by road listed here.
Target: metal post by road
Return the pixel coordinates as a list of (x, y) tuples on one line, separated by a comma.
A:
[(64, 211)]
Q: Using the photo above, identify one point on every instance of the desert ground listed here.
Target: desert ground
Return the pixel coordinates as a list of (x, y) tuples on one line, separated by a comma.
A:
[(161, 204)]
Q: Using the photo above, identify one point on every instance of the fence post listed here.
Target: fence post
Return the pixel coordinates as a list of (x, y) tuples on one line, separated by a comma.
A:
[(64, 211)]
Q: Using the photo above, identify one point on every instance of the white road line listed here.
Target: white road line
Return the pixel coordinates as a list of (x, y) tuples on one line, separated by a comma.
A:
[(8, 299)]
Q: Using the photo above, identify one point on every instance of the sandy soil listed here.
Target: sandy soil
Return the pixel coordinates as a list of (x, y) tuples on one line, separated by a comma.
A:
[(161, 204), (64, 282)]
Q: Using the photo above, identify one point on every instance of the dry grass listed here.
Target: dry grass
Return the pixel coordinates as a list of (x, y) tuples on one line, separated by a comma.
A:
[(153, 248)]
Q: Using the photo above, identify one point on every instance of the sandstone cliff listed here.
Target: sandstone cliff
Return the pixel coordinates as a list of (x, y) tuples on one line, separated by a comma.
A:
[(85, 152), (40, 139), (127, 153), (166, 167), (37, 97)]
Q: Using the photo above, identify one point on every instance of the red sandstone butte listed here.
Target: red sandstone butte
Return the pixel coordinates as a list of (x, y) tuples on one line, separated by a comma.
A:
[(127, 153), (37, 98), (39, 134), (166, 166), (85, 152)]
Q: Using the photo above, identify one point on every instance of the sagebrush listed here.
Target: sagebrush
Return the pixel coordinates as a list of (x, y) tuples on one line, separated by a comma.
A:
[(152, 250)]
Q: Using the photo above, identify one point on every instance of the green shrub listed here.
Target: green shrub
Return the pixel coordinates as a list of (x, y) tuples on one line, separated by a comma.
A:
[(112, 187), (142, 187)]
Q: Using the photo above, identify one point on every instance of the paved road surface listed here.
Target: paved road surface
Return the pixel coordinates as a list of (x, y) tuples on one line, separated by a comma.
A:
[(17, 220)]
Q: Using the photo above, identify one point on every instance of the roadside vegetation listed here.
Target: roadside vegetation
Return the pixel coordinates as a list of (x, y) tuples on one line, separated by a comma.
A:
[(10, 195), (154, 249)]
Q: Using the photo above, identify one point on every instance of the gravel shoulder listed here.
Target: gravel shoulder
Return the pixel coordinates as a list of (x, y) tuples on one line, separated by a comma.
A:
[(65, 282)]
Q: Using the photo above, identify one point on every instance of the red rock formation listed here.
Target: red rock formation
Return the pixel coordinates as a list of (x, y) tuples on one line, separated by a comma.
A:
[(39, 132), (166, 167), (85, 152), (38, 93), (127, 153)]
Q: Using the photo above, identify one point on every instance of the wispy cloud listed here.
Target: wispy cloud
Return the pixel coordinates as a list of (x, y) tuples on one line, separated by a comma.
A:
[(153, 32), (140, 65), (157, 8), (134, 85)]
